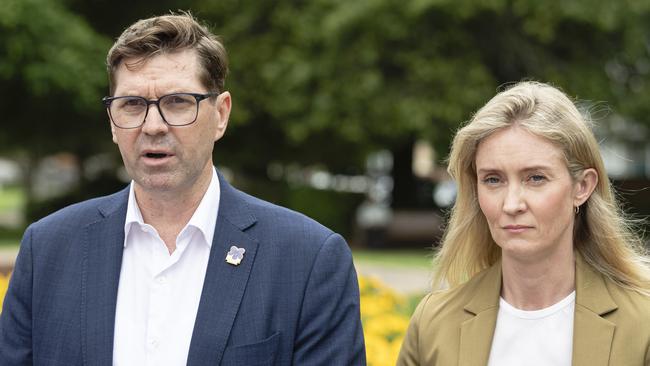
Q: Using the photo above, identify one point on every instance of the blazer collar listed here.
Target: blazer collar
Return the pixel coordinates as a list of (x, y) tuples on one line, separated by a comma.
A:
[(476, 332), (224, 285), (591, 290), (103, 245), (592, 332), (489, 286)]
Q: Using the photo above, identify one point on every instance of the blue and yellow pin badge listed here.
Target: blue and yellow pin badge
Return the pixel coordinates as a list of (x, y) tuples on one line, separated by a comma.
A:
[(235, 255)]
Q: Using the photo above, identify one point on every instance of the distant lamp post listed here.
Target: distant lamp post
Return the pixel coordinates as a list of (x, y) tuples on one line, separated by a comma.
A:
[(374, 214)]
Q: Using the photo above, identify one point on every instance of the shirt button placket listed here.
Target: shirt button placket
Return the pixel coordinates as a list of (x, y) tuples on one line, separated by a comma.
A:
[(157, 301)]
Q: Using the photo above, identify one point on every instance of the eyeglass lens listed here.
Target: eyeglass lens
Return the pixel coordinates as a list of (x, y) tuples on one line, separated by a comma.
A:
[(176, 109)]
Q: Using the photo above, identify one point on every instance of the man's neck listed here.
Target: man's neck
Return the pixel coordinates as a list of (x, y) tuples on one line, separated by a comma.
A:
[(169, 211)]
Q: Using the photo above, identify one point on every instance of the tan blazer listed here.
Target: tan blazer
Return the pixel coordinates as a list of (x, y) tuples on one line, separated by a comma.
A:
[(455, 327)]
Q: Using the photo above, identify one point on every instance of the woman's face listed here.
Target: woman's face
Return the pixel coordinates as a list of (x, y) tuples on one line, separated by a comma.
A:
[(527, 195)]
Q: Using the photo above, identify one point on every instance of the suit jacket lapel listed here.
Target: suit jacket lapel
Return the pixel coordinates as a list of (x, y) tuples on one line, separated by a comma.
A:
[(224, 283), (476, 333), (592, 334), (102, 261)]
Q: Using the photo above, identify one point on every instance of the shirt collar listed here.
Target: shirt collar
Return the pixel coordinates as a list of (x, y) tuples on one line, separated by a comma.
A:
[(204, 217)]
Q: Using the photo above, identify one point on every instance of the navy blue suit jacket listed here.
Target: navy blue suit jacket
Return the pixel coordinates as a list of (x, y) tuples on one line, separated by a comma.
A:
[(294, 299)]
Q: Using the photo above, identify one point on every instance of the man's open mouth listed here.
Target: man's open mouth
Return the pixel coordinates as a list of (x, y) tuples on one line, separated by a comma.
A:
[(156, 155)]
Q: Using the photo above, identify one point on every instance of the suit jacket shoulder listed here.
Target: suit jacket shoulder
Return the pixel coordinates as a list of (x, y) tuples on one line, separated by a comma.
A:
[(611, 324), (456, 324), (71, 218), (284, 222)]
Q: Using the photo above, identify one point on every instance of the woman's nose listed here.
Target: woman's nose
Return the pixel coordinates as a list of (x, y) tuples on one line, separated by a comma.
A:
[(514, 201)]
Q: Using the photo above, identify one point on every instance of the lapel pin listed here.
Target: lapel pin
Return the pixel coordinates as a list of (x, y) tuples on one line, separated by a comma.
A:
[(235, 255)]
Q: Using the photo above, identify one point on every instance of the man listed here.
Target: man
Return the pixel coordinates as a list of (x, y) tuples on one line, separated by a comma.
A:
[(179, 268)]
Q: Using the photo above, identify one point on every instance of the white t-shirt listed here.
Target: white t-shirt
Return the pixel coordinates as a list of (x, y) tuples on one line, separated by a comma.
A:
[(539, 337)]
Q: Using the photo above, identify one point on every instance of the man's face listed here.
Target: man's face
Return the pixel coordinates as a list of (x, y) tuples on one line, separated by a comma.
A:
[(159, 157)]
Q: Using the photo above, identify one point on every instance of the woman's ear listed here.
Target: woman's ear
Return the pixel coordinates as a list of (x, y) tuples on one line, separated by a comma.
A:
[(585, 186)]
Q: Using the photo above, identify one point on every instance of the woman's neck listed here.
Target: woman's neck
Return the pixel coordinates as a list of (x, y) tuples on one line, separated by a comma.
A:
[(537, 284)]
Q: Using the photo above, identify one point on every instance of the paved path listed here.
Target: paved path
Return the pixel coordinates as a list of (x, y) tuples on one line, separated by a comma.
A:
[(7, 258), (402, 279)]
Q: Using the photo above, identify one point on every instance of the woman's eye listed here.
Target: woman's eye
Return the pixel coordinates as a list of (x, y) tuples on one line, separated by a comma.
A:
[(491, 180), (537, 178)]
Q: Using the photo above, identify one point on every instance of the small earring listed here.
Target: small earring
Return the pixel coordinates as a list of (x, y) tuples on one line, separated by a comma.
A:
[(576, 209)]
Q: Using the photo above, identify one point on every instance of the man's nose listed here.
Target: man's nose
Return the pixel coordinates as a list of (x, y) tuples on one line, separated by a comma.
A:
[(154, 124)]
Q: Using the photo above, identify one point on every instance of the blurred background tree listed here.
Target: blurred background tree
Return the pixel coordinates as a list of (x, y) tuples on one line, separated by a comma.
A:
[(51, 81), (324, 83)]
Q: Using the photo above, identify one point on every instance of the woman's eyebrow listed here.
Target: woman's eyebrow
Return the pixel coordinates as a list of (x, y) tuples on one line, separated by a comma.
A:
[(538, 167)]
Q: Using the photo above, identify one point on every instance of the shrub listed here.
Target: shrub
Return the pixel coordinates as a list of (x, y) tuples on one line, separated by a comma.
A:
[(4, 283), (385, 317)]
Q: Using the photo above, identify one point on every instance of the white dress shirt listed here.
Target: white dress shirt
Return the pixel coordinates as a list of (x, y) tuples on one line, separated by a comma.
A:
[(158, 294)]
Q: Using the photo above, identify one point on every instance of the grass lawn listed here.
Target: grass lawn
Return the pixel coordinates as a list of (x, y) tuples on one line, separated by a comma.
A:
[(9, 243), (12, 203), (394, 257), (11, 198)]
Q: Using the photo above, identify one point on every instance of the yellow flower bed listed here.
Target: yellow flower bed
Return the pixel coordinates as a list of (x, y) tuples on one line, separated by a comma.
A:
[(385, 316), (384, 313), (4, 283)]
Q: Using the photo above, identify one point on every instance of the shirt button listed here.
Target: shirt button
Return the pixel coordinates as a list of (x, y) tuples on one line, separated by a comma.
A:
[(153, 343), (161, 280)]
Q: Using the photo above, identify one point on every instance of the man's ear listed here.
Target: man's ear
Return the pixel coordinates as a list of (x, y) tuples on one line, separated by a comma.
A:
[(224, 105), (110, 123), (585, 186)]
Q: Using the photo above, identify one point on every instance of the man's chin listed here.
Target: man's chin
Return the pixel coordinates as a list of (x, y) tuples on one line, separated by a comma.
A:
[(160, 183)]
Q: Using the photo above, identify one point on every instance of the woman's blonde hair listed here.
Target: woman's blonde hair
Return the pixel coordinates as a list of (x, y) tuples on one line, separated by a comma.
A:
[(602, 235)]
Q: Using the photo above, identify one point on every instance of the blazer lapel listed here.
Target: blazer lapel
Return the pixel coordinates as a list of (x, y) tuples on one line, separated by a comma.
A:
[(102, 261), (592, 334), (224, 284), (476, 333)]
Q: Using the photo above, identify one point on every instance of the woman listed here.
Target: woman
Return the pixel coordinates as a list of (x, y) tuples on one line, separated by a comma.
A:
[(541, 266)]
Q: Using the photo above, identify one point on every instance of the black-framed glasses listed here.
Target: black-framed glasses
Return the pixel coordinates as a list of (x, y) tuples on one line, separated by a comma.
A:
[(177, 109)]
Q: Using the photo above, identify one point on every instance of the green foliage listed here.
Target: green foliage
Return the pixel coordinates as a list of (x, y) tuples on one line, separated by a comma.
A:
[(11, 198), (370, 73), (51, 49), (326, 81), (10, 237), (333, 209), (51, 78), (330, 80)]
